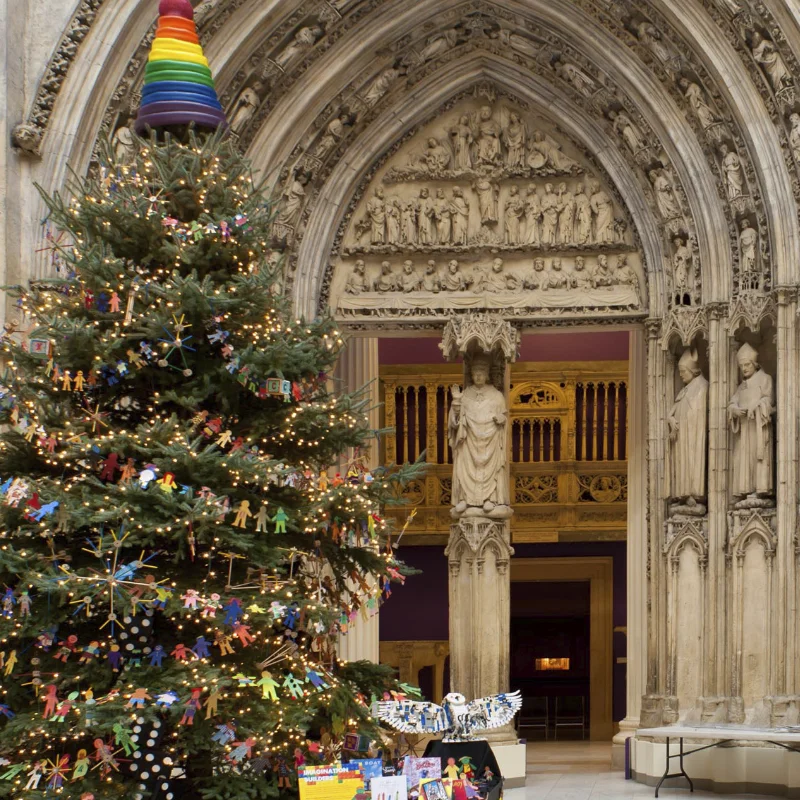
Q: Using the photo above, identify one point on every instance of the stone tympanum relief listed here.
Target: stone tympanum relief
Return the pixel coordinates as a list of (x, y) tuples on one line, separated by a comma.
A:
[(687, 425), (488, 207), (750, 416)]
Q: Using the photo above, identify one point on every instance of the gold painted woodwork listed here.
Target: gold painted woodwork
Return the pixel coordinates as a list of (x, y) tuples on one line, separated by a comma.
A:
[(567, 500)]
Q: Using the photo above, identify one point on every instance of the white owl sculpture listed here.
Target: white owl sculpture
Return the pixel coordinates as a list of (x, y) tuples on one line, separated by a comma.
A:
[(457, 719)]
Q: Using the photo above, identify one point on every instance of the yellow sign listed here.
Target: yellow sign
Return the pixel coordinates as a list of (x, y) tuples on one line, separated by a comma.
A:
[(332, 782)]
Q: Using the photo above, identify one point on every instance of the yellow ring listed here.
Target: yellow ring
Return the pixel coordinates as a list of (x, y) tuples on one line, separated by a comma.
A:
[(174, 55), (177, 44)]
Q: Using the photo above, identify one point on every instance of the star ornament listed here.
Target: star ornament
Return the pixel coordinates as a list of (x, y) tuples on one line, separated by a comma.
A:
[(176, 342), (96, 417)]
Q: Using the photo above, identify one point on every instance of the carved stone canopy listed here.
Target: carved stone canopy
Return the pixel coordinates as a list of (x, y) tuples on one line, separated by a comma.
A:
[(479, 333)]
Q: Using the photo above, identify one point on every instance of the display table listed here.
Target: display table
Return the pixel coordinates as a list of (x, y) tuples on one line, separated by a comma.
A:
[(720, 734), (479, 753)]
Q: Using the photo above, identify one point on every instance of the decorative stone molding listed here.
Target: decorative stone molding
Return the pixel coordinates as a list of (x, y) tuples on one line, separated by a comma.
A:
[(750, 310), (686, 324), (746, 524), (483, 332), (680, 531)]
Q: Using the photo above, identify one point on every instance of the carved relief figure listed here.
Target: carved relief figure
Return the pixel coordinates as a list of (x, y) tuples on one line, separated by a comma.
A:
[(732, 168), (698, 103), (625, 275), (487, 192), (333, 134), (304, 40), (357, 280), (566, 215), (430, 281), (516, 42), (454, 279), (556, 278), (538, 276), (748, 243), (376, 211), (381, 85), (575, 77), (408, 223), (442, 215), (387, 280), (750, 416), (459, 208), (603, 211), (533, 212), (293, 199), (767, 55), (477, 434), (794, 136), (650, 37), (438, 44), (245, 106), (549, 215), (631, 135), (409, 280), (514, 140), (123, 143), (665, 196), (461, 136), (601, 275), (583, 216), (682, 268), (425, 217), (437, 156), (580, 278), (393, 221), (488, 139), (515, 208), (544, 151), (688, 433), (493, 280)]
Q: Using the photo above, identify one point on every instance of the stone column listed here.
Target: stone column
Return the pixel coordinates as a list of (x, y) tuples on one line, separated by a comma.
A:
[(479, 550), (637, 535), (358, 367)]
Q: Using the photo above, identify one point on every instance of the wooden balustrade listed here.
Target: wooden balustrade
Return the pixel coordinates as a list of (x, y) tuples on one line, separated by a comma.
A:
[(567, 445)]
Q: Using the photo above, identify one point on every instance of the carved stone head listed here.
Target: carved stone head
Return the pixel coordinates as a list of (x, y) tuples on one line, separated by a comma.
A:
[(688, 365), (747, 358), (538, 264), (453, 266), (497, 265), (359, 266), (580, 264), (486, 112), (514, 190), (556, 265), (408, 267)]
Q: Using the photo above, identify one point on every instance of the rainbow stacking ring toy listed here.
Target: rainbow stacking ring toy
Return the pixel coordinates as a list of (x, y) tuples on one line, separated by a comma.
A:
[(178, 85)]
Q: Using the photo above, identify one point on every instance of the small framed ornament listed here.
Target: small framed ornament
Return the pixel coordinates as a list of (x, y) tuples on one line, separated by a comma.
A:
[(39, 348)]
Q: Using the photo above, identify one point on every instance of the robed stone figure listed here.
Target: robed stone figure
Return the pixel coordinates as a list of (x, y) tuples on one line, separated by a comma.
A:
[(750, 417), (688, 432), (477, 435)]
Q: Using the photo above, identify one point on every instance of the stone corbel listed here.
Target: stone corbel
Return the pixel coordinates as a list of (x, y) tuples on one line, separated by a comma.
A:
[(685, 322), (483, 332)]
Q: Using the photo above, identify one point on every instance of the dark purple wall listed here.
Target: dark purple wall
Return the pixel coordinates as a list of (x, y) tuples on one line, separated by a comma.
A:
[(418, 610)]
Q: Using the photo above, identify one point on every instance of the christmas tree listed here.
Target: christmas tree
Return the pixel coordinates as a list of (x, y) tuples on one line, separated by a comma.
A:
[(177, 548)]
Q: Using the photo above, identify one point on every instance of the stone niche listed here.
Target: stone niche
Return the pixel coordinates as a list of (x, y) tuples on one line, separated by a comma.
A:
[(487, 207)]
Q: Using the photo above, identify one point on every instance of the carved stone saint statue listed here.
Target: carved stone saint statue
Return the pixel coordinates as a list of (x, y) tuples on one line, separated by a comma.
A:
[(245, 106), (514, 210), (514, 139), (748, 242), (376, 212), (461, 136), (665, 195), (477, 434), (771, 61), (603, 210), (750, 417), (304, 40), (123, 143), (688, 432), (583, 216), (357, 279), (732, 167), (459, 208), (488, 141), (566, 215), (794, 136)]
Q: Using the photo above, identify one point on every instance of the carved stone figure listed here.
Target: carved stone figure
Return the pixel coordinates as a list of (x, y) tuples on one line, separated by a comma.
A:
[(376, 212), (488, 138), (533, 213), (459, 209), (750, 414), (442, 214), (538, 276), (393, 221), (425, 213), (631, 135), (28, 137), (430, 281), (487, 192), (583, 216), (566, 215), (794, 135), (409, 281), (438, 44), (624, 274), (748, 244), (650, 37), (549, 215), (387, 280), (688, 433), (732, 168), (546, 152), (408, 223), (514, 137), (454, 279), (245, 106), (293, 199), (603, 210), (357, 279), (771, 61), (205, 12), (304, 40), (556, 278), (514, 209), (477, 435), (333, 135), (665, 195), (380, 86), (698, 103), (437, 157), (682, 268), (580, 278), (601, 274), (575, 77), (516, 42), (461, 137), (493, 280), (123, 143)]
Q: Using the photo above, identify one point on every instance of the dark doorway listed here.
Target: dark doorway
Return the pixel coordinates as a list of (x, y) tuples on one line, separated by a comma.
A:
[(550, 624)]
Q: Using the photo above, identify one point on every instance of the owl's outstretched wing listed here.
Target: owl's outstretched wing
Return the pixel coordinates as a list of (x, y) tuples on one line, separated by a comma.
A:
[(496, 710), (412, 716)]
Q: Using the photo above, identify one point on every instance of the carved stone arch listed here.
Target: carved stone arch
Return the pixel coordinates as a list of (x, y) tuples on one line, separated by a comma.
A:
[(746, 527), (688, 536)]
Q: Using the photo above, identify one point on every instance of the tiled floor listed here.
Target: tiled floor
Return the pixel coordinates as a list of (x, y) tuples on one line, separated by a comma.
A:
[(582, 771)]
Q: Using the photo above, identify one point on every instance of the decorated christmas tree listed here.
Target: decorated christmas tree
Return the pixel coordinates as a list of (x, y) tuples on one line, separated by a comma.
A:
[(178, 547)]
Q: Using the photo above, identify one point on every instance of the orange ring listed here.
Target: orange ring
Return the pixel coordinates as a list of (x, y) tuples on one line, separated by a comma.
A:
[(172, 33), (178, 22)]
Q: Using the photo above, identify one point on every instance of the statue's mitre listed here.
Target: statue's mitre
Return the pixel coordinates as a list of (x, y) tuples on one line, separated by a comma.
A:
[(747, 353)]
